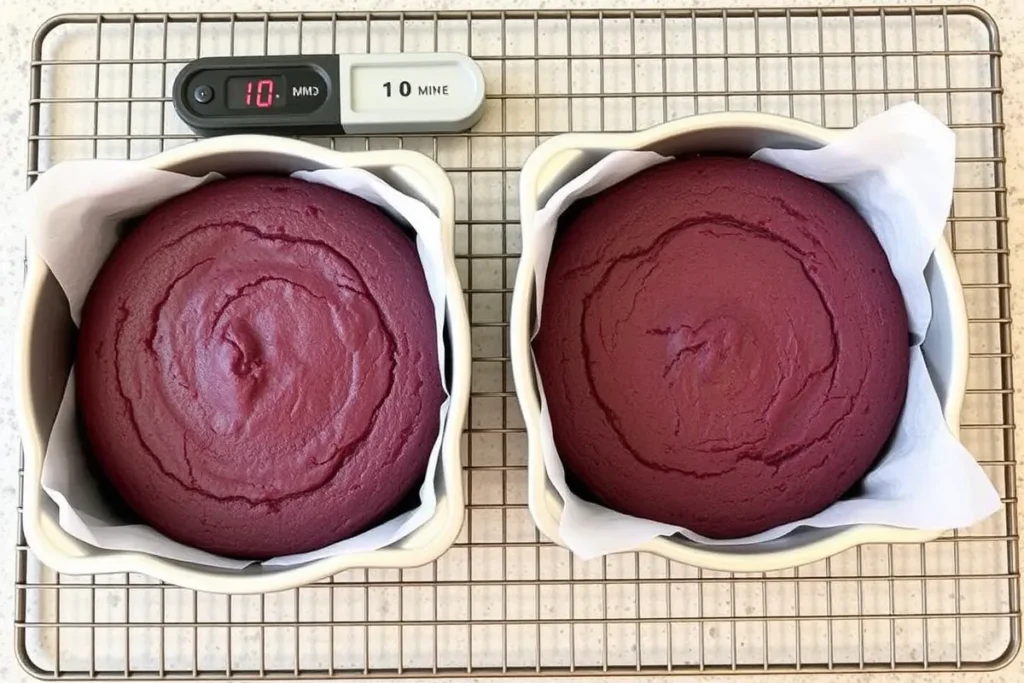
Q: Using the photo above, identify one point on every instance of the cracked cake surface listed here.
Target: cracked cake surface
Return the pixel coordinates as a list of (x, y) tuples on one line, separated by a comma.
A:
[(257, 370), (722, 346)]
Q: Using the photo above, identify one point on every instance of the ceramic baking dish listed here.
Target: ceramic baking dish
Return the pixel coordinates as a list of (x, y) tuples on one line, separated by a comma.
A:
[(561, 159), (44, 353)]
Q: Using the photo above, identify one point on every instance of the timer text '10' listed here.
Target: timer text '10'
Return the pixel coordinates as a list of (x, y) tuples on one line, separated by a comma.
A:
[(404, 88)]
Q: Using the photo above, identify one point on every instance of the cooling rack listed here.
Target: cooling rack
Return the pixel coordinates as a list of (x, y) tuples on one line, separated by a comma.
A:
[(504, 601)]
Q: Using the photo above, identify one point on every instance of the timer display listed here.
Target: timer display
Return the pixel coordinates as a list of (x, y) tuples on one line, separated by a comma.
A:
[(256, 92)]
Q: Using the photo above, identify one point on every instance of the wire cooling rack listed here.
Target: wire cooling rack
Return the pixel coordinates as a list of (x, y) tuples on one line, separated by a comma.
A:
[(504, 601)]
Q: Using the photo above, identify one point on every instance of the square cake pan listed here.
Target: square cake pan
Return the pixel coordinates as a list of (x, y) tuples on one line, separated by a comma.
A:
[(562, 158), (45, 350)]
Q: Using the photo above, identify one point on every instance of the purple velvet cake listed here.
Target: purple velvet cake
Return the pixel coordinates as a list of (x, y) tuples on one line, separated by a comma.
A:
[(723, 346), (257, 368)]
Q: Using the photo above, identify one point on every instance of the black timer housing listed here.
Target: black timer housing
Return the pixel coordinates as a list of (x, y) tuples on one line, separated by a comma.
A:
[(217, 95)]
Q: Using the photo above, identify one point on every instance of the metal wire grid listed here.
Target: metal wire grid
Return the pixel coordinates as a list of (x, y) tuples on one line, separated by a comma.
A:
[(503, 601)]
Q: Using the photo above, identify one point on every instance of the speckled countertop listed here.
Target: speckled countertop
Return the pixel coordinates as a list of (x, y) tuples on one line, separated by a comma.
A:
[(19, 23)]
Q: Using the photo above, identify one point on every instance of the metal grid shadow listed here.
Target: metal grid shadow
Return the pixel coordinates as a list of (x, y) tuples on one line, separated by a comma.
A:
[(504, 601)]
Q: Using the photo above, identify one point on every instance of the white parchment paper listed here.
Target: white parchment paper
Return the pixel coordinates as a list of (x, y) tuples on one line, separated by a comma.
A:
[(897, 170), (73, 215)]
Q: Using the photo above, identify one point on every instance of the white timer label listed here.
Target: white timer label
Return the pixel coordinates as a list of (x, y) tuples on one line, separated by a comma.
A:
[(406, 88), (384, 87)]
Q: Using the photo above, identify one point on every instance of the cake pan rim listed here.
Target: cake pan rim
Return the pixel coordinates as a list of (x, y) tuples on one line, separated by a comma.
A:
[(542, 168), (51, 544)]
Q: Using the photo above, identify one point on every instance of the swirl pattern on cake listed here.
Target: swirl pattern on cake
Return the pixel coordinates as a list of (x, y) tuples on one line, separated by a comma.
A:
[(722, 346), (257, 369)]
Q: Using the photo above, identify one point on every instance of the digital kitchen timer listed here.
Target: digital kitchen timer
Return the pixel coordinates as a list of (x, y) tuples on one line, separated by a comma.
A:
[(330, 94)]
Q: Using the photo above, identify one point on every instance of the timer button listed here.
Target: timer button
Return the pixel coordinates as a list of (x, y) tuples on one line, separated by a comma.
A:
[(203, 94)]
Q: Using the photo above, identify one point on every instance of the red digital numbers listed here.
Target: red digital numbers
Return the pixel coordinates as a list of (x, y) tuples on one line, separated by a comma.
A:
[(264, 93)]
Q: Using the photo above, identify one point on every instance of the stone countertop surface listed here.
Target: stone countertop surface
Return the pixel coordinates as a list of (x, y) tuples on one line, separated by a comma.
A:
[(21, 19)]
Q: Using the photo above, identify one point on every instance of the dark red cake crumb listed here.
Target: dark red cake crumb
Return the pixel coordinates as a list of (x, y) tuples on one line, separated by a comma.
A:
[(723, 346), (257, 368)]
